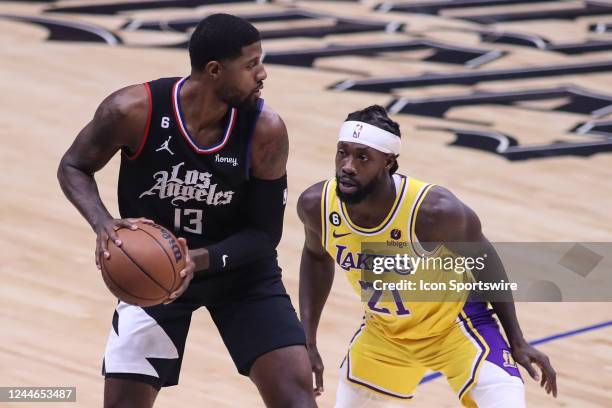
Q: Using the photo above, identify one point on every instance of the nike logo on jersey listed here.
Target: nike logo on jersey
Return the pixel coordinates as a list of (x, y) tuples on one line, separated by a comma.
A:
[(224, 259), (165, 146), (340, 235)]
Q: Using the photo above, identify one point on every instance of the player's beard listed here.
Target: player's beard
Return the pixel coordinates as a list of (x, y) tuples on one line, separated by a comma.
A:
[(233, 98), (249, 103), (358, 195)]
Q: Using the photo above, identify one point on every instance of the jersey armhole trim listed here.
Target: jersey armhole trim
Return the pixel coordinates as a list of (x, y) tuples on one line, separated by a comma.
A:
[(324, 205), (147, 126), (260, 106), (414, 240)]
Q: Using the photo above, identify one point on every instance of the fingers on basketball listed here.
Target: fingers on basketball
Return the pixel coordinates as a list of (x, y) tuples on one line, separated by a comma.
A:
[(144, 270)]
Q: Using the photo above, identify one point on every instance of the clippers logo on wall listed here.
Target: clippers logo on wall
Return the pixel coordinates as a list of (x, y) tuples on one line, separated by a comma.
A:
[(433, 74)]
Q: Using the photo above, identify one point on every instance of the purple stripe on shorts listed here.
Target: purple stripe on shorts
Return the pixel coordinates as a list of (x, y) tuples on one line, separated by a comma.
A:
[(482, 352), (483, 321)]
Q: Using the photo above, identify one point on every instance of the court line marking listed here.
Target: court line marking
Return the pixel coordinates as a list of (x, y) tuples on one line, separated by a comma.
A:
[(433, 376)]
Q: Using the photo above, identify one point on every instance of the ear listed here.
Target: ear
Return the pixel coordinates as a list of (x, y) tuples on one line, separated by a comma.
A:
[(390, 161), (213, 69)]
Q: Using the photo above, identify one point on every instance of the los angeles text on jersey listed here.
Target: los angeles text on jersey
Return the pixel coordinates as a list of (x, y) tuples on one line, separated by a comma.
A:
[(185, 185)]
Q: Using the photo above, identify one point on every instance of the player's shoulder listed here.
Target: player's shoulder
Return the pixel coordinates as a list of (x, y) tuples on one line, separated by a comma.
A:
[(270, 125), (270, 146), (128, 103), (443, 217), (122, 116), (309, 204), (438, 204)]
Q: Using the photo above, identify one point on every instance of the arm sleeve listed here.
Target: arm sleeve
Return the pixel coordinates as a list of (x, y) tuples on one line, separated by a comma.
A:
[(266, 200)]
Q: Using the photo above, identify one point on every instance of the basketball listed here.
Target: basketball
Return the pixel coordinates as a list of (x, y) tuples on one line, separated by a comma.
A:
[(145, 269)]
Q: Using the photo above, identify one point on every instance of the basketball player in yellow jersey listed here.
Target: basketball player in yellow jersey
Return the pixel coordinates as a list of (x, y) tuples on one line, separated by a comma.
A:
[(399, 340)]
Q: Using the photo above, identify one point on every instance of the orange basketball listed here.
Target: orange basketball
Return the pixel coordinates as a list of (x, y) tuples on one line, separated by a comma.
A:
[(145, 269)]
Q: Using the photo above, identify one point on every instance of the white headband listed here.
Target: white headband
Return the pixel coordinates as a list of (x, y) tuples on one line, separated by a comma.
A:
[(359, 132)]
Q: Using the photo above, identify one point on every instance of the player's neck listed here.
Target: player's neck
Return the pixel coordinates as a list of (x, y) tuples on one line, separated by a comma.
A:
[(370, 212), (201, 109)]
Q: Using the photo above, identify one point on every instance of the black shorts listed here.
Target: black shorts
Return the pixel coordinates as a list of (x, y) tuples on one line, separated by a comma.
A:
[(250, 308)]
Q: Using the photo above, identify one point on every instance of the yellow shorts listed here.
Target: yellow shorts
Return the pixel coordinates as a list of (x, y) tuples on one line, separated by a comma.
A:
[(394, 367)]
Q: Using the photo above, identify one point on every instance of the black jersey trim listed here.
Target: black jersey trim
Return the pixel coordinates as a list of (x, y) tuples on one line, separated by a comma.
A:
[(147, 126), (260, 105), (176, 105)]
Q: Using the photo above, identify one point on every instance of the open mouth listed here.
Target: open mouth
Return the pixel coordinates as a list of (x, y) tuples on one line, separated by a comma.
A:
[(257, 90), (347, 185)]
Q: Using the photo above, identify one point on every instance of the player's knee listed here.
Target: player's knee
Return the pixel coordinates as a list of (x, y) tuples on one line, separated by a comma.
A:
[(497, 389), (296, 390), (117, 402), (289, 393), (284, 378), (128, 400), (119, 393), (298, 395), (350, 396)]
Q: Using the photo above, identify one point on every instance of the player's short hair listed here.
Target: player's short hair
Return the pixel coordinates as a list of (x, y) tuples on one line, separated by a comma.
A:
[(218, 37), (376, 115)]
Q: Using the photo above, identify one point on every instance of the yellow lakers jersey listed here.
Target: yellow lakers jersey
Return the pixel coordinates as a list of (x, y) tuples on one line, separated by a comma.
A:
[(395, 315)]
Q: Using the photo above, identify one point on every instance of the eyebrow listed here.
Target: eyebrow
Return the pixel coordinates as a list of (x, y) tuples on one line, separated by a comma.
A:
[(364, 149)]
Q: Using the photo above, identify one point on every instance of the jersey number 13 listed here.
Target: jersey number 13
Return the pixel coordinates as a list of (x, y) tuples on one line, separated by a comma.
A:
[(188, 220)]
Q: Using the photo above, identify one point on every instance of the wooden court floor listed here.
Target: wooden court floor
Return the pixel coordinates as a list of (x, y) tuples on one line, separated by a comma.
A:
[(55, 311)]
